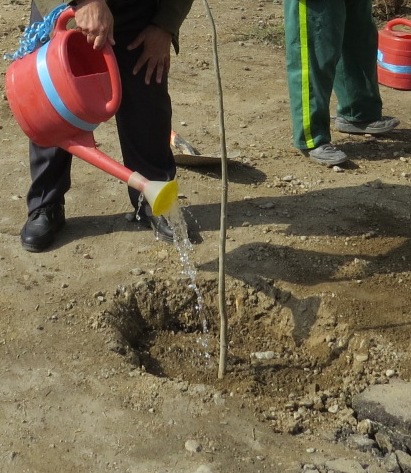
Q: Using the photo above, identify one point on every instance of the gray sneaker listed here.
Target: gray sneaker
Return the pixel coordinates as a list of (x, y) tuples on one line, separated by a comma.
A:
[(327, 154), (373, 128)]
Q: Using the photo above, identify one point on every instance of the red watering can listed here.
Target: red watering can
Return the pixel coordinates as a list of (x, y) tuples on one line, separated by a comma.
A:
[(62, 91), (394, 55)]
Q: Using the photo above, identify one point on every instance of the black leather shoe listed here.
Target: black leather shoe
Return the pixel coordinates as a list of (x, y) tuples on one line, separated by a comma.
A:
[(162, 229), (39, 230)]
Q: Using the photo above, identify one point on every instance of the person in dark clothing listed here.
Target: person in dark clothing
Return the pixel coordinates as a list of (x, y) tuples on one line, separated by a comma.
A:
[(141, 33), (332, 44)]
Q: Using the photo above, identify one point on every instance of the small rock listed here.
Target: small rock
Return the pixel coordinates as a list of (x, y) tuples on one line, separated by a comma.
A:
[(204, 469), (404, 460), (263, 355), (384, 442), (364, 427), (391, 464), (375, 469), (342, 465), (361, 442), (361, 357), (193, 446), (333, 409)]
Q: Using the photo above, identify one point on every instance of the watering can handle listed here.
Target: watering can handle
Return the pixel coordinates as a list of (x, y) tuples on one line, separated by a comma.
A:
[(397, 21), (63, 19), (112, 106)]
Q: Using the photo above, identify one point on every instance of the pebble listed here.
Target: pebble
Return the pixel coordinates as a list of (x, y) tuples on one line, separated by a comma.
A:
[(204, 469), (333, 409), (263, 355), (193, 446), (391, 464), (364, 427), (404, 460), (361, 357), (345, 466), (361, 442)]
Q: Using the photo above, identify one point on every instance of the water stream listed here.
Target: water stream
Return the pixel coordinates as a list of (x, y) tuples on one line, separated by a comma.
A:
[(184, 248)]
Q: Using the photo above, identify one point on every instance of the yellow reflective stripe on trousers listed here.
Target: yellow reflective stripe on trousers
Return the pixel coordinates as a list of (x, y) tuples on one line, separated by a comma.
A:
[(305, 74)]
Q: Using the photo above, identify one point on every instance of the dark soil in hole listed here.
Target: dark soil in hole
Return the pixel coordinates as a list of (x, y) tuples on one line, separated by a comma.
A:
[(290, 359)]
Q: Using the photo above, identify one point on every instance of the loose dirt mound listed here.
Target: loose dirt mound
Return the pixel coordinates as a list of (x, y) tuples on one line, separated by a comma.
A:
[(286, 356)]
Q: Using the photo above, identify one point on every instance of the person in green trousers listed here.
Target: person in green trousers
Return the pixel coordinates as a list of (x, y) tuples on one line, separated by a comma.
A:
[(332, 45)]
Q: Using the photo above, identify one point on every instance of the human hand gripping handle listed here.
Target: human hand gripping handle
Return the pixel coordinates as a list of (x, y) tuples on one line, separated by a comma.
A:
[(156, 44), (95, 21)]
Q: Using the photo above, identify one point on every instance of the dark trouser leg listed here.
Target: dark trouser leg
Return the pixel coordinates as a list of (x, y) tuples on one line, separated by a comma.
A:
[(314, 35), (143, 122), (356, 84), (50, 176), (49, 167)]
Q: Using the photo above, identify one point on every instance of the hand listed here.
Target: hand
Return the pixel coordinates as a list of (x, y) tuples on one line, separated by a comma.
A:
[(94, 20), (156, 52)]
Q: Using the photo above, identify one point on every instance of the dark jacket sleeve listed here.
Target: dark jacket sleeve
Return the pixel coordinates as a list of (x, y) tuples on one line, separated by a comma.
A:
[(170, 16)]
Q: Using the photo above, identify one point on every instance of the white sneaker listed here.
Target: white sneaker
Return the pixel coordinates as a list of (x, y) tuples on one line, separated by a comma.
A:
[(373, 128), (327, 154)]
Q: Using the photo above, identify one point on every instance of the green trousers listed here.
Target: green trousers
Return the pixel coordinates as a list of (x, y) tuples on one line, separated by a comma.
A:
[(330, 44)]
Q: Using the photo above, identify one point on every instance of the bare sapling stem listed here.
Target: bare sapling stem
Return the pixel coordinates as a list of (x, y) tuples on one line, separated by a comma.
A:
[(222, 367)]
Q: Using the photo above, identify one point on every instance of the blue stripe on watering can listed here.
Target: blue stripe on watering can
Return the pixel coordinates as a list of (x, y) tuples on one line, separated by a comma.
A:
[(392, 67), (53, 95)]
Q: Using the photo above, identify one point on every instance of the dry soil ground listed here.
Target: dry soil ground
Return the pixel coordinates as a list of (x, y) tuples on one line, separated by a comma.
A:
[(106, 365)]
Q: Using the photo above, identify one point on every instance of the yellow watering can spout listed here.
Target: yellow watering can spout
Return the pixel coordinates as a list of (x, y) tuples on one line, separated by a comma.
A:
[(160, 195)]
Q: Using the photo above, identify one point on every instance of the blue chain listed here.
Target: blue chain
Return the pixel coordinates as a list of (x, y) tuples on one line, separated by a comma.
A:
[(36, 34)]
